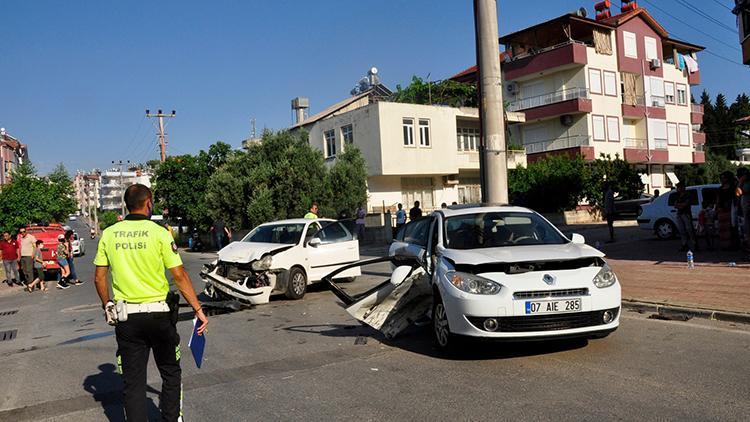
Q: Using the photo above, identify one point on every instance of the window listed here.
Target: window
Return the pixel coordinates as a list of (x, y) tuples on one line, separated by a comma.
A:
[(672, 133), (669, 92), (613, 129), (598, 124), (629, 45), (693, 197), (610, 84), (498, 229), (347, 134), (408, 125), (416, 232), (417, 189), (424, 132), (650, 48), (684, 134), (334, 233), (595, 81), (682, 98), (467, 139), (330, 143)]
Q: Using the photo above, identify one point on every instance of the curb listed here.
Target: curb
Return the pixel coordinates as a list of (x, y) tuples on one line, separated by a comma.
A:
[(672, 310)]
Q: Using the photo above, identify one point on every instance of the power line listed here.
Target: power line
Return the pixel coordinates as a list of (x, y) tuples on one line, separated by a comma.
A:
[(733, 47), (707, 16), (722, 5)]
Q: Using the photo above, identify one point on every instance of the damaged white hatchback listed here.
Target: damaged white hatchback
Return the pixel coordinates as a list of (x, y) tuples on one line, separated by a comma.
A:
[(282, 257), (501, 272)]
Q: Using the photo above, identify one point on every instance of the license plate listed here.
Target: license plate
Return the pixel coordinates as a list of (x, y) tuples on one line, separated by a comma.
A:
[(553, 306)]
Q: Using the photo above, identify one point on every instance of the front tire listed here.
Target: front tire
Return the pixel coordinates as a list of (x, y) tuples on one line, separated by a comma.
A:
[(665, 229), (297, 284), (440, 328)]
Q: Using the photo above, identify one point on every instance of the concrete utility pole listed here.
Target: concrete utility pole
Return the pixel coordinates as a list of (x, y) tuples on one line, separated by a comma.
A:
[(493, 163), (120, 163), (162, 141)]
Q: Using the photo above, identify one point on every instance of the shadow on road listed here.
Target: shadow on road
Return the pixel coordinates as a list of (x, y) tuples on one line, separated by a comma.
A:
[(106, 388)]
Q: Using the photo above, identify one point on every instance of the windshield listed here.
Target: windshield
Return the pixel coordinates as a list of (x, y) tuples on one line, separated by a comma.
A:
[(287, 234), (496, 229)]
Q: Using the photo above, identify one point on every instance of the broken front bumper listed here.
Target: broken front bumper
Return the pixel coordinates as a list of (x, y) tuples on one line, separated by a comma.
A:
[(253, 288)]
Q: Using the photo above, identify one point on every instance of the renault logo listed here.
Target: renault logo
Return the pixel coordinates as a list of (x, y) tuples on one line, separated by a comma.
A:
[(549, 279)]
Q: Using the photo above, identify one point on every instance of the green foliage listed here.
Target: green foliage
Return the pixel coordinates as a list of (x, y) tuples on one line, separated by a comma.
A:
[(180, 182), (723, 136), (33, 199), (706, 173), (107, 219), (559, 183), (445, 92), (347, 182)]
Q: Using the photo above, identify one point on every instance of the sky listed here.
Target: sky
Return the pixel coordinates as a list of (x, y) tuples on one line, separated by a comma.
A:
[(76, 76)]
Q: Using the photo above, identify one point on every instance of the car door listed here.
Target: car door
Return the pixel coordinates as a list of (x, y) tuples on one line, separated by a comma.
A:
[(337, 247), (413, 239)]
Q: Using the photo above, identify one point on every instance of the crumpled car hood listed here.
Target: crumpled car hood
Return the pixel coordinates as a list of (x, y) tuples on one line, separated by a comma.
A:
[(244, 252), (568, 251)]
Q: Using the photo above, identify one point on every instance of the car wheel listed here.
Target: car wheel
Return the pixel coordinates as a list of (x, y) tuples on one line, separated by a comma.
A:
[(296, 286), (665, 229), (440, 329)]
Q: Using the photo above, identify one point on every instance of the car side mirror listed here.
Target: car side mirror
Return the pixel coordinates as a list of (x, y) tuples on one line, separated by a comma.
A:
[(400, 274), (577, 239), (314, 242)]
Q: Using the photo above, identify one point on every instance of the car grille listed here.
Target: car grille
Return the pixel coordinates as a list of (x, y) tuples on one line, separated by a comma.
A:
[(554, 322), (539, 294), (233, 271)]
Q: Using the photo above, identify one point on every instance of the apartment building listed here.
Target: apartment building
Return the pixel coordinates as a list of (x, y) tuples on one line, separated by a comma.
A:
[(113, 184), (12, 154), (742, 10), (414, 152), (87, 191), (617, 85)]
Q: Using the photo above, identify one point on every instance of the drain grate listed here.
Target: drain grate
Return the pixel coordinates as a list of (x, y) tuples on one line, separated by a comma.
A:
[(8, 313), (8, 335)]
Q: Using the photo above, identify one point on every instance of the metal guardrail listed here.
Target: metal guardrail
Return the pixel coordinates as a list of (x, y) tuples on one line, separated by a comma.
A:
[(557, 143), (549, 98)]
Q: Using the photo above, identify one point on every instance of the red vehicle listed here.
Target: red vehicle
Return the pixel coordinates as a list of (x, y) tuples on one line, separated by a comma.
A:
[(48, 235)]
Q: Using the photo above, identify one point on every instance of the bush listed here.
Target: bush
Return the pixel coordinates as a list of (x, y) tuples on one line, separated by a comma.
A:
[(107, 219)]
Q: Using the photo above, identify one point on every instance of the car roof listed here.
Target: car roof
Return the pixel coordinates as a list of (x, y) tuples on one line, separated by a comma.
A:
[(455, 210), (297, 221)]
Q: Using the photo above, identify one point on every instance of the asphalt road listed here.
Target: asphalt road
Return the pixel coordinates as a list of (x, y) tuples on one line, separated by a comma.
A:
[(307, 360)]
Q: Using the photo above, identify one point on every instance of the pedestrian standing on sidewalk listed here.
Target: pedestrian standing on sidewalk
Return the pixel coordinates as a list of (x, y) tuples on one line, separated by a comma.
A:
[(62, 261), (73, 278), (609, 209), (26, 245), (685, 218), (416, 212), (400, 216), (9, 255), (361, 214), (220, 232), (138, 279), (724, 206), (38, 268)]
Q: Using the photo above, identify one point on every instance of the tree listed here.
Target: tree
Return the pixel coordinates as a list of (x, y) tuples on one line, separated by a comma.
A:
[(62, 192), (107, 219), (623, 177), (347, 185), (445, 92)]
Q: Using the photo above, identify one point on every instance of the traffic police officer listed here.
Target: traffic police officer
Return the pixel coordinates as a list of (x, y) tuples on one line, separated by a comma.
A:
[(137, 251)]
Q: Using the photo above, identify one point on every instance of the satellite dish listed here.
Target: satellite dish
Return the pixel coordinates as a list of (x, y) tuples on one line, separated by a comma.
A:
[(582, 12), (373, 70)]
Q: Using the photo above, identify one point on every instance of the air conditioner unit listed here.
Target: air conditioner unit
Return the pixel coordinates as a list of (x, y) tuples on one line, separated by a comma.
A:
[(655, 63), (512, 88)]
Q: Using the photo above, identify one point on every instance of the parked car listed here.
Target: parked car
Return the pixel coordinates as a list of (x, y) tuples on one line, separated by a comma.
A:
[(497, 272), (660, 215), (77, 245), (631, 207), (281, 257)]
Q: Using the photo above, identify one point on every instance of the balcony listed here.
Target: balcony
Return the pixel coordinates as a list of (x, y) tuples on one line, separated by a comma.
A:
[(639, 151), (696, 114), (699, 157), (699, 138), (569, 54), (634, 107), (570, 146), (566, 101)]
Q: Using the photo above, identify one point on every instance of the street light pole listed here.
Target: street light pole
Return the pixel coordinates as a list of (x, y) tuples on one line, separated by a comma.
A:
[(493, 163)]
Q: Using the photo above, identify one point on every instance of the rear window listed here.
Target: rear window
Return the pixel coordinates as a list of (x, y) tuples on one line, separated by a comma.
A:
[(693, 197)]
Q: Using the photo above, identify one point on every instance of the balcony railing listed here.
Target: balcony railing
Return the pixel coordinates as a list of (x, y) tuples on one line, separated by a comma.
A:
[(657, 101), (557, 143), (633, 100), (637, 143), (659, 144), (696, 108), (550, 98)]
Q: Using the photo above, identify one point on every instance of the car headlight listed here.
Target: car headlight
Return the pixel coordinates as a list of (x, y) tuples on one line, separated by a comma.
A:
[(262, 264), (471, 283), (605, 277)]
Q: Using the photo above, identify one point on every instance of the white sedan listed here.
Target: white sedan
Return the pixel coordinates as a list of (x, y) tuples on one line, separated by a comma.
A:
[(78, 247), (282, 257), (493, 272)]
